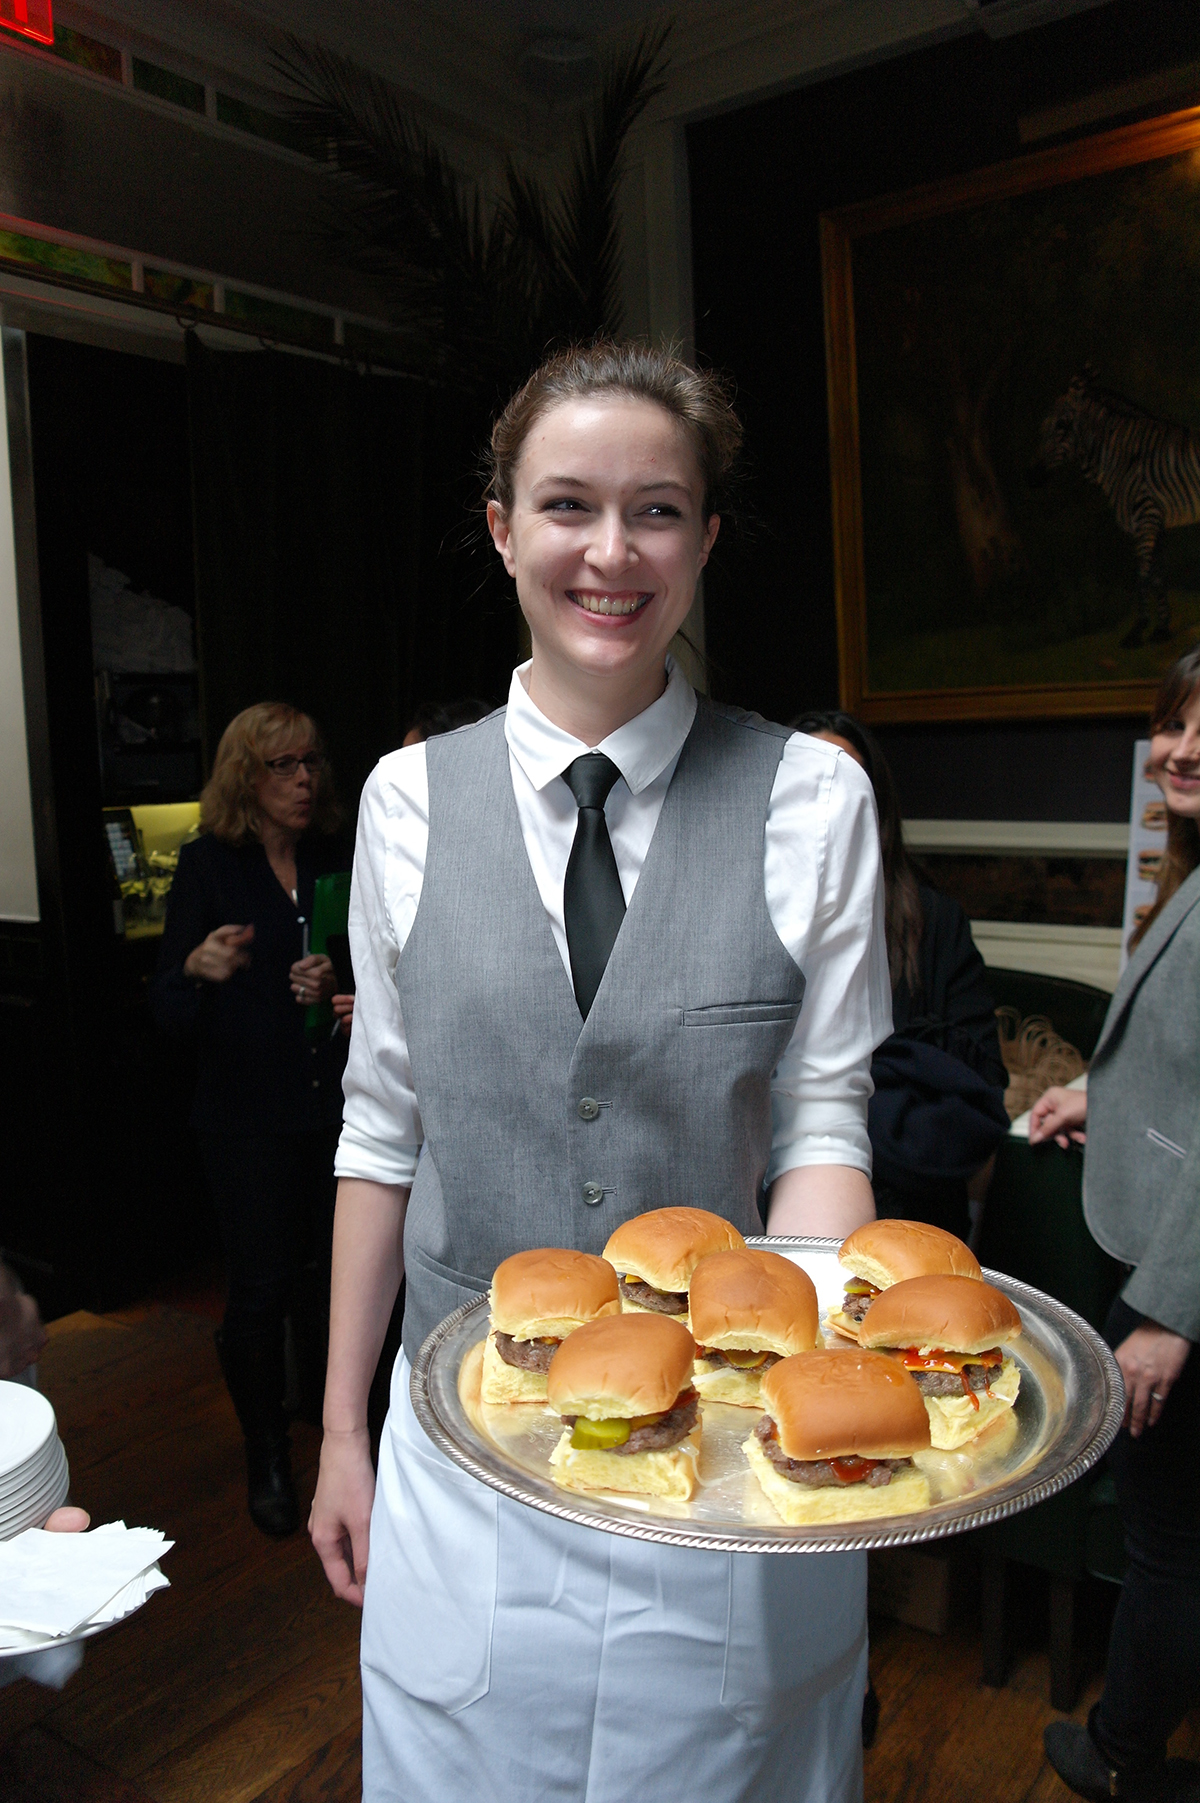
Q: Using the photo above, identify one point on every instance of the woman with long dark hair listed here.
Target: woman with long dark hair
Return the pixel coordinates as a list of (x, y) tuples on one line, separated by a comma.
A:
[(1141, 1180), (938, 1110)]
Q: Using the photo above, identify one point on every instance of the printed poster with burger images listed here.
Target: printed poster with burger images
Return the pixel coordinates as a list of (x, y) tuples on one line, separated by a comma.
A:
[(1014, 400)]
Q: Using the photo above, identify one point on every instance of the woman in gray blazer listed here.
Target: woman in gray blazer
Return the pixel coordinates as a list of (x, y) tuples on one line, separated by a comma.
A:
[(1142, 1203)]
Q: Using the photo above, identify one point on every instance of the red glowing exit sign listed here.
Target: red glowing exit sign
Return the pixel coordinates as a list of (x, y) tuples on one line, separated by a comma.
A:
[(30, 17)]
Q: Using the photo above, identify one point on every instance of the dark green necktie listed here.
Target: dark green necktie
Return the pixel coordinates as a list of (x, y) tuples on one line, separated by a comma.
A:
[(593, 905)]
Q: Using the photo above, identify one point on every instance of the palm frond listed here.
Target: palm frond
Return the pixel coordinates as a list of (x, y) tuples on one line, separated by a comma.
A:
[(588, 235), (476, 289)]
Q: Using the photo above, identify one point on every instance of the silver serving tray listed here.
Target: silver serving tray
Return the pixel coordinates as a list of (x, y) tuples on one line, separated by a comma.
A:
[(1066, 1416)]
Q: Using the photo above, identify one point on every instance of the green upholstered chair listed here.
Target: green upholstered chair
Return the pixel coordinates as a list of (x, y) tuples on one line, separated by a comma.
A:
[(1033, 1229), (1075, 1010)]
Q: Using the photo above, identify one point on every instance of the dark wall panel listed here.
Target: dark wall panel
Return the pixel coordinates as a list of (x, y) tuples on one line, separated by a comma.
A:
[(760, 178)]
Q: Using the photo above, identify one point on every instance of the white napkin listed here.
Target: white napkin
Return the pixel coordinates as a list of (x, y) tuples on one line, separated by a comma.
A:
[(56, 1584)]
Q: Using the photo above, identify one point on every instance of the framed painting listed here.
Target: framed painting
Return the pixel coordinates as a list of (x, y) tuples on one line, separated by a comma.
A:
[(1014, 399)]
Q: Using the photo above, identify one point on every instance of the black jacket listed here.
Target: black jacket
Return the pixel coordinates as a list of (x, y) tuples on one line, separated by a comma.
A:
[(938, 1108), (953, 1008), (258, 1070)]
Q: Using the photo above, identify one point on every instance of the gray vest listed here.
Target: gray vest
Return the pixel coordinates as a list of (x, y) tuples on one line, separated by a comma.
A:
[(540, 1129)]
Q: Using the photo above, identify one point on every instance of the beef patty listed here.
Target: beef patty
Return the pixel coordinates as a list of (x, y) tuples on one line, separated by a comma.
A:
[(712, 1356), (663, 1302), (527, 1355), (949, 1383), (818, 1474), (856, 1306), (673, 1427)]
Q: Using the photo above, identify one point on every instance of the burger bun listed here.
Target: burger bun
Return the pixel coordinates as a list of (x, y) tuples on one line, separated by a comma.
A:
[(622, 1365), (828, 1405), (664, 1247), (952, 1314), (889, 1251), (549, 1292)]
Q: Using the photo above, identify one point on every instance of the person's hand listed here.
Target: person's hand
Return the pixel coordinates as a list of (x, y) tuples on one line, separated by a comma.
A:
[(343, 1007), (339, 1522), (68, 1521), (1150, 1360), (313, 979), (216, 958), (1059, 1115), (22, 1335)]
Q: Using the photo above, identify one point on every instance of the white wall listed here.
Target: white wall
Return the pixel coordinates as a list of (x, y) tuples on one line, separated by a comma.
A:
[(18, 874)]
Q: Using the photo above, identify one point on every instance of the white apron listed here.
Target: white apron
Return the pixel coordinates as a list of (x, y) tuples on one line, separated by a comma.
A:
[(514, 1658)]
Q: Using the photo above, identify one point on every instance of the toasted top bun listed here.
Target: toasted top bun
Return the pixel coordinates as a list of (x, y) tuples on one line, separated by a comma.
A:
[(753, 1302), (664, 1247), (885, 1252), (956, 1314), (622, 1365), (547, 1294), (830, 1404)]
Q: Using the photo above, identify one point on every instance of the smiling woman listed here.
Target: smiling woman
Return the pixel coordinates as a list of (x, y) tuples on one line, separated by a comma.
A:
[(582, 932)]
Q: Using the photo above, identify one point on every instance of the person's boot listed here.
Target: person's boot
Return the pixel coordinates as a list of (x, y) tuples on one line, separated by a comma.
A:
[(252, 1361), (1077, 1758)]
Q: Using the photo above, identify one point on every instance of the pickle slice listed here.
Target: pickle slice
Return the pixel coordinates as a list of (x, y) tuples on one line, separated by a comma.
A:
[(746, 1361), (599, 1436)]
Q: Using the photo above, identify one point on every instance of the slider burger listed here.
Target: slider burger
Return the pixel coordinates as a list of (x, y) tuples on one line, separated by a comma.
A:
[(537, 1299), (950, 1332), (656, 1253), (623, 1387), (749, 1309), (837, 1439), (885, 1252)]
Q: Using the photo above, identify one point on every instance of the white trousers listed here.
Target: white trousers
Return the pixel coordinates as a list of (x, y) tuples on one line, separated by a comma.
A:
[(510, 1656)]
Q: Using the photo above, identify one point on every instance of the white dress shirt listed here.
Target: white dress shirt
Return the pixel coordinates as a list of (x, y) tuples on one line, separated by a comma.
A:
[(821, 881)]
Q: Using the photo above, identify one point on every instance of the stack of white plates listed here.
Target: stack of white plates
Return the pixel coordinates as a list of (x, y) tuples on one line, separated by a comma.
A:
[(33, 1466)]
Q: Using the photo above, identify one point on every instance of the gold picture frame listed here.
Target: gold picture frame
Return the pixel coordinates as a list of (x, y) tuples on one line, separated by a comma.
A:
[(966, 274)]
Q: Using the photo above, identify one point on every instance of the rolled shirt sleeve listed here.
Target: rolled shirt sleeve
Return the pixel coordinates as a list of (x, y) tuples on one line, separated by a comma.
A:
[(381, 1124), (824, 893)]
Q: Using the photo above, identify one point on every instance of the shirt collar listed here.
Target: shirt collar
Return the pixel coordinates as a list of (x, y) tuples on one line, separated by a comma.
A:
[(641, 749)]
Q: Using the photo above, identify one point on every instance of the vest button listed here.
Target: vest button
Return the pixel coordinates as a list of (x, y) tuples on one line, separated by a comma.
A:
[(593, 1194), (589, 1108)]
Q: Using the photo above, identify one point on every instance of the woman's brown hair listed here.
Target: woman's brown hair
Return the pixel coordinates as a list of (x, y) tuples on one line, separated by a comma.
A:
[(229, 800), (903, 915), (1183, 835), (697, 398)]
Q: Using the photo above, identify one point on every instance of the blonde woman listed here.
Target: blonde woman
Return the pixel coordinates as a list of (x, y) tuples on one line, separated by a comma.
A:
[(233, 977)]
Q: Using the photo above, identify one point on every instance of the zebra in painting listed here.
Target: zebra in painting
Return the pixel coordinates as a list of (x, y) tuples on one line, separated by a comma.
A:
[(1148, 471)]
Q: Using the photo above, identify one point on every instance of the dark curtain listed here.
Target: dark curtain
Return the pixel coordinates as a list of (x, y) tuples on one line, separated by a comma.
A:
[(337, 564)]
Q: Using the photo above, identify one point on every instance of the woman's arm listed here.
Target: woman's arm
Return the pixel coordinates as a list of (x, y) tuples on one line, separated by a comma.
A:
[(368, 1263), (825, 1200), (1060, 1115)]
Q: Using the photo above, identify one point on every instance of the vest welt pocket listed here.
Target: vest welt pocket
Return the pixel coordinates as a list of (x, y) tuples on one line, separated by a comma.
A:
[(740, 1014), (1168, 1145)]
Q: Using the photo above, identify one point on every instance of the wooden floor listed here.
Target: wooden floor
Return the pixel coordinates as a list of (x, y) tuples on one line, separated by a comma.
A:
[(240, 1683)]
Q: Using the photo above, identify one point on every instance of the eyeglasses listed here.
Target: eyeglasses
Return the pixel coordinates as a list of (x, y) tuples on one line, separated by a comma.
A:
[(313, 761)]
